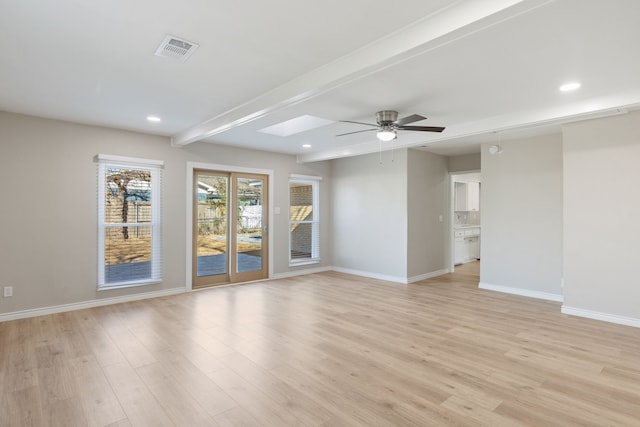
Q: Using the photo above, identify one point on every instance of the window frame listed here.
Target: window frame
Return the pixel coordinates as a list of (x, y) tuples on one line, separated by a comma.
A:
[(155, 169), (314, 181)]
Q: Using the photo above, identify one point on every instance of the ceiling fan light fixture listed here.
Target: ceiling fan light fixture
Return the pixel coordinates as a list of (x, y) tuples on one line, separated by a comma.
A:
[(386, 135)]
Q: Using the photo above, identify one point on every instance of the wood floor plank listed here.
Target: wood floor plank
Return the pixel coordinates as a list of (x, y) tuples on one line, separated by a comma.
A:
[(94, 393), (55, 380), (139, 404), (258, 404), (133, 349), (24, 407), (66, 413), (298, 403), (200, 387), (348, 410), (175, 399), (237, 417), (20, 367), (323, 350), (97, 338), (121, 423)]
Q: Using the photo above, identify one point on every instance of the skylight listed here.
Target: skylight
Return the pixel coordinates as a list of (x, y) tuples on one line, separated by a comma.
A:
[(296, 125), (568, 87)]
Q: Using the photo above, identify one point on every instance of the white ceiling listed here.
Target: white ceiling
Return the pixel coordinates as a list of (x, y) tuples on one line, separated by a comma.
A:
[(485, 69)]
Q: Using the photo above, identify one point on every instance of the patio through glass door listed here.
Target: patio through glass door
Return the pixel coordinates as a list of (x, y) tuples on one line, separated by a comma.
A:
[(230, 227)]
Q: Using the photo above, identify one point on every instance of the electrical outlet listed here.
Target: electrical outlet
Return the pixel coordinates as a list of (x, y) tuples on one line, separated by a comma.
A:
[(8, 291)]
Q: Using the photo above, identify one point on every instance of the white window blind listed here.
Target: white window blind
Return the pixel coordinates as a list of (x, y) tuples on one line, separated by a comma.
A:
[(129, 222), (304, 220)]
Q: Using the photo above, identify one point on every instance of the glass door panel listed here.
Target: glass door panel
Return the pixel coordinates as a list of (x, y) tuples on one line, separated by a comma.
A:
[(211, 228), (249, 224), (250, 261)]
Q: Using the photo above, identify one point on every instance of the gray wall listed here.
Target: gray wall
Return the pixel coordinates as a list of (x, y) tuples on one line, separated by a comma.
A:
[(375, 219), (48, 220), (370, 215), (464, 163), (522, 216), (602, 216), (427, 200)]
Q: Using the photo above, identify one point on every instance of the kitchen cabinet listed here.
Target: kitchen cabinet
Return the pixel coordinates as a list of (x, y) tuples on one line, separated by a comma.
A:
[(474, 248), (460, 196), (461, 250), (467, 196), (473, 196), (466, 244)]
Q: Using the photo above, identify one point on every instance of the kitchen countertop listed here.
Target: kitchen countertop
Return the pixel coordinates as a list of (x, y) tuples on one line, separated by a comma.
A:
[(466, 226)]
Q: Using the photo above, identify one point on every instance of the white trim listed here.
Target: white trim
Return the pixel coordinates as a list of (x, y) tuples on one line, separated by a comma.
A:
[(87, 304), (371, 275), (428, 275), (227, 168), (131, 284), (606, 317), (224, 168), (522, 292), (305, 177), (133, 160), (307, 261), (301, 272)]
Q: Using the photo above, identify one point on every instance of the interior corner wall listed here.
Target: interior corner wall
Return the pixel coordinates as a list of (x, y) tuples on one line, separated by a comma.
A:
[(521, 246), (427, 201), (602, 217), (48, 220), (370, 215)]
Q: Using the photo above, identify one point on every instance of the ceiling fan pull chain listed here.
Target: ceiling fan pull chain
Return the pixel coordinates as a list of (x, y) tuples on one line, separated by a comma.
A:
[(380, 151), (393, 145)]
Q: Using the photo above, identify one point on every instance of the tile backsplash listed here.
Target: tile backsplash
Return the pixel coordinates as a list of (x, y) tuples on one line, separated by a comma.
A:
[(467, 217)]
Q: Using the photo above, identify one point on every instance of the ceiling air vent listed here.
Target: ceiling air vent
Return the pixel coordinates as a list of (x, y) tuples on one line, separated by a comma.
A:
[(173, 47)]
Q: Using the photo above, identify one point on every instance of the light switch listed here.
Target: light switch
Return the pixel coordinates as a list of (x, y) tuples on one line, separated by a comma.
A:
[(276, 210), (441, 218)]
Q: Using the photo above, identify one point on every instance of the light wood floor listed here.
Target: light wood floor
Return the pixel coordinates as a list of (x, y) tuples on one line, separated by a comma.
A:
[(322, 350)]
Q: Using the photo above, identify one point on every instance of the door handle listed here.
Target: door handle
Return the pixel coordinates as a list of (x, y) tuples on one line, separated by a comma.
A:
[(265, 228)]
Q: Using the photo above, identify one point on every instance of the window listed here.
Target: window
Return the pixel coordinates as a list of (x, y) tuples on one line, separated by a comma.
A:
[(304, 221), (128, 221)]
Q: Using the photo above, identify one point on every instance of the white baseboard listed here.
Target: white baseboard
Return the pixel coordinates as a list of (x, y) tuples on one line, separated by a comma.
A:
[(87, 304), (371, 275), (522, 292), (300, 272), (428, 275), (612, 318)]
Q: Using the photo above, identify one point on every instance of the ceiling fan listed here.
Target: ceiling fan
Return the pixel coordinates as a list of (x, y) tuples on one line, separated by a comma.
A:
[(389, 124)]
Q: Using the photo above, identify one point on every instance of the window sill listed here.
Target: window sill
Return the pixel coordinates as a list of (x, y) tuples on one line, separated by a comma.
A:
[(304, 262), (121, 285)]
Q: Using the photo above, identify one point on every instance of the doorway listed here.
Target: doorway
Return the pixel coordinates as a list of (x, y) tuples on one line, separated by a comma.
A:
[(465, 221), (230, 227)]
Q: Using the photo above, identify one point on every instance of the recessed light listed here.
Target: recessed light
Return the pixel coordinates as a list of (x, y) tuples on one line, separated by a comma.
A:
[(154, 119), (306, 145), (568, 87)]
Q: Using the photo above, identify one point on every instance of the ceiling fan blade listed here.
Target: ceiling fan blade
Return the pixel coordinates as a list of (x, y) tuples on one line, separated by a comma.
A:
[(423, 128), (358, 131), (358, 123), (410, 119)]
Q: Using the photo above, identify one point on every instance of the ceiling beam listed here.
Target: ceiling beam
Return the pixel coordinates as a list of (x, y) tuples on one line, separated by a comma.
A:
[(605, 106), (460, 19)]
